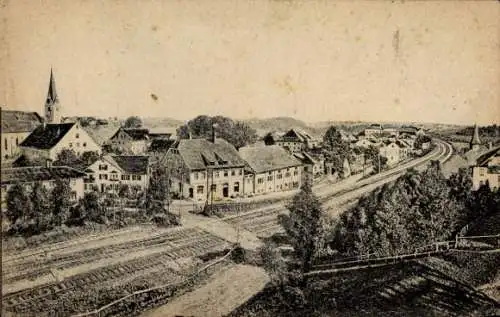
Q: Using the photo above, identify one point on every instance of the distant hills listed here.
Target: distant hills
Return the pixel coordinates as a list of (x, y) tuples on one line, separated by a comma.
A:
[(264, 125)]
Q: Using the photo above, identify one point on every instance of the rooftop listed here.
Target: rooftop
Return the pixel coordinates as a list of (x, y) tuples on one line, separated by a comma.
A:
[(19, 121), (132, 164), (268, 158), (37, 173), (46, 137), (201, 153)]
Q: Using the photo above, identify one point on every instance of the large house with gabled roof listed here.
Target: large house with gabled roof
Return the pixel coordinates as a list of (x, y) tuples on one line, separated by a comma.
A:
[(16, 126), (48, 140), (28, 176), (204, 170), (273, 169), (110, 172), (296, 140)]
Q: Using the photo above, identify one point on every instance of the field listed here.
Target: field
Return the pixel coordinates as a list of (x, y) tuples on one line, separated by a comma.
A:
[(86, 273)]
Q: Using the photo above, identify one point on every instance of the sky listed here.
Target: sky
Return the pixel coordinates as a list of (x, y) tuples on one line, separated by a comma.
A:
[(313, 60)]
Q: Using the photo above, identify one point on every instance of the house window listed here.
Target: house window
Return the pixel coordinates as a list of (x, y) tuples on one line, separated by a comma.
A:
[(213, 188), (103, 176), (270, 173), (260, 180), (296, 173), (237, 187), (202, 175), (195, 175), (17, 142), (233, 172), (77, 135), (103, 167), (279, 176), (216, 174), (241, 172), (138, 177), (226, 173), (84, 144), (199, 189), (5, 143), (73, 195), (70, 144), (287, 174), (269, 178)]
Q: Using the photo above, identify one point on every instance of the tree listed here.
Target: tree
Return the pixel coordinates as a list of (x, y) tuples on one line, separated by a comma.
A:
[(274, 264), (88, 157), (416, 210), (93, 209), (67, 157), (133, 122), (304, 226), (269, 139), (237, 133), (335, 149), (41, 206), (61, 203), (18, 204), (158, 189)]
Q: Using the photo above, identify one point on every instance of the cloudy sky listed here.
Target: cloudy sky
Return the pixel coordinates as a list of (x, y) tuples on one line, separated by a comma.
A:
[(313, 60)]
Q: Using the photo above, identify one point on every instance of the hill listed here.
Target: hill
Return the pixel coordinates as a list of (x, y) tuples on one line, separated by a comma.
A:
[(161, 122), (275, 124), (412, 289)]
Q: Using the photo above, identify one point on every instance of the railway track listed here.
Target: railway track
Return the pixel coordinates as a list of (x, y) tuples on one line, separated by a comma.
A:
[(42, 298), (262, 222), (35, 268)]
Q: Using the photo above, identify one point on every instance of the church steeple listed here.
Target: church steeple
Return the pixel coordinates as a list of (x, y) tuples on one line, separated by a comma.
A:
[(475, 142), (52, 107)]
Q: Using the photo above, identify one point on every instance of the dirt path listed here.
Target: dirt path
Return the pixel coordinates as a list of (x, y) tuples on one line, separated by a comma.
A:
[(224, 292)]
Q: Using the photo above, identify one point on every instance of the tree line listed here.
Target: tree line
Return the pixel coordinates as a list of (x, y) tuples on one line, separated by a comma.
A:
[(35, 209)]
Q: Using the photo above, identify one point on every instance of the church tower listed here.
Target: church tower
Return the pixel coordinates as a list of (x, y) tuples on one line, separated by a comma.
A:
[(52, 107), (475, 142)]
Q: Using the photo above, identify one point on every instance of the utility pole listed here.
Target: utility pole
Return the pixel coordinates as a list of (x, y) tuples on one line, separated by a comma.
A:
[(378, 163)]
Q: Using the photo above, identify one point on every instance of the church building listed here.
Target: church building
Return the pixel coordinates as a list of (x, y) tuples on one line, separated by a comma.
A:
[(51, 137)]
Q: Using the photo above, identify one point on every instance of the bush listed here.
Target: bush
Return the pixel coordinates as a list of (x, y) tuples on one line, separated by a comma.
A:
[(166, 219)]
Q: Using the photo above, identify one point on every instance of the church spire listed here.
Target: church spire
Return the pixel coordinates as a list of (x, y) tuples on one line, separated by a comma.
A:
[(52, 93), (475, 142), (52, 108)]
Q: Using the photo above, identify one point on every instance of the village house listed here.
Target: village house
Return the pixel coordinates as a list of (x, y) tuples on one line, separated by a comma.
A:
[(487, 170), (394, 151), (111, 172), (365, 143), (298, 141), (28, 176), (132, 141), (48, 140), (204, 169), (273, 169), (313, 167), (16, 126)]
